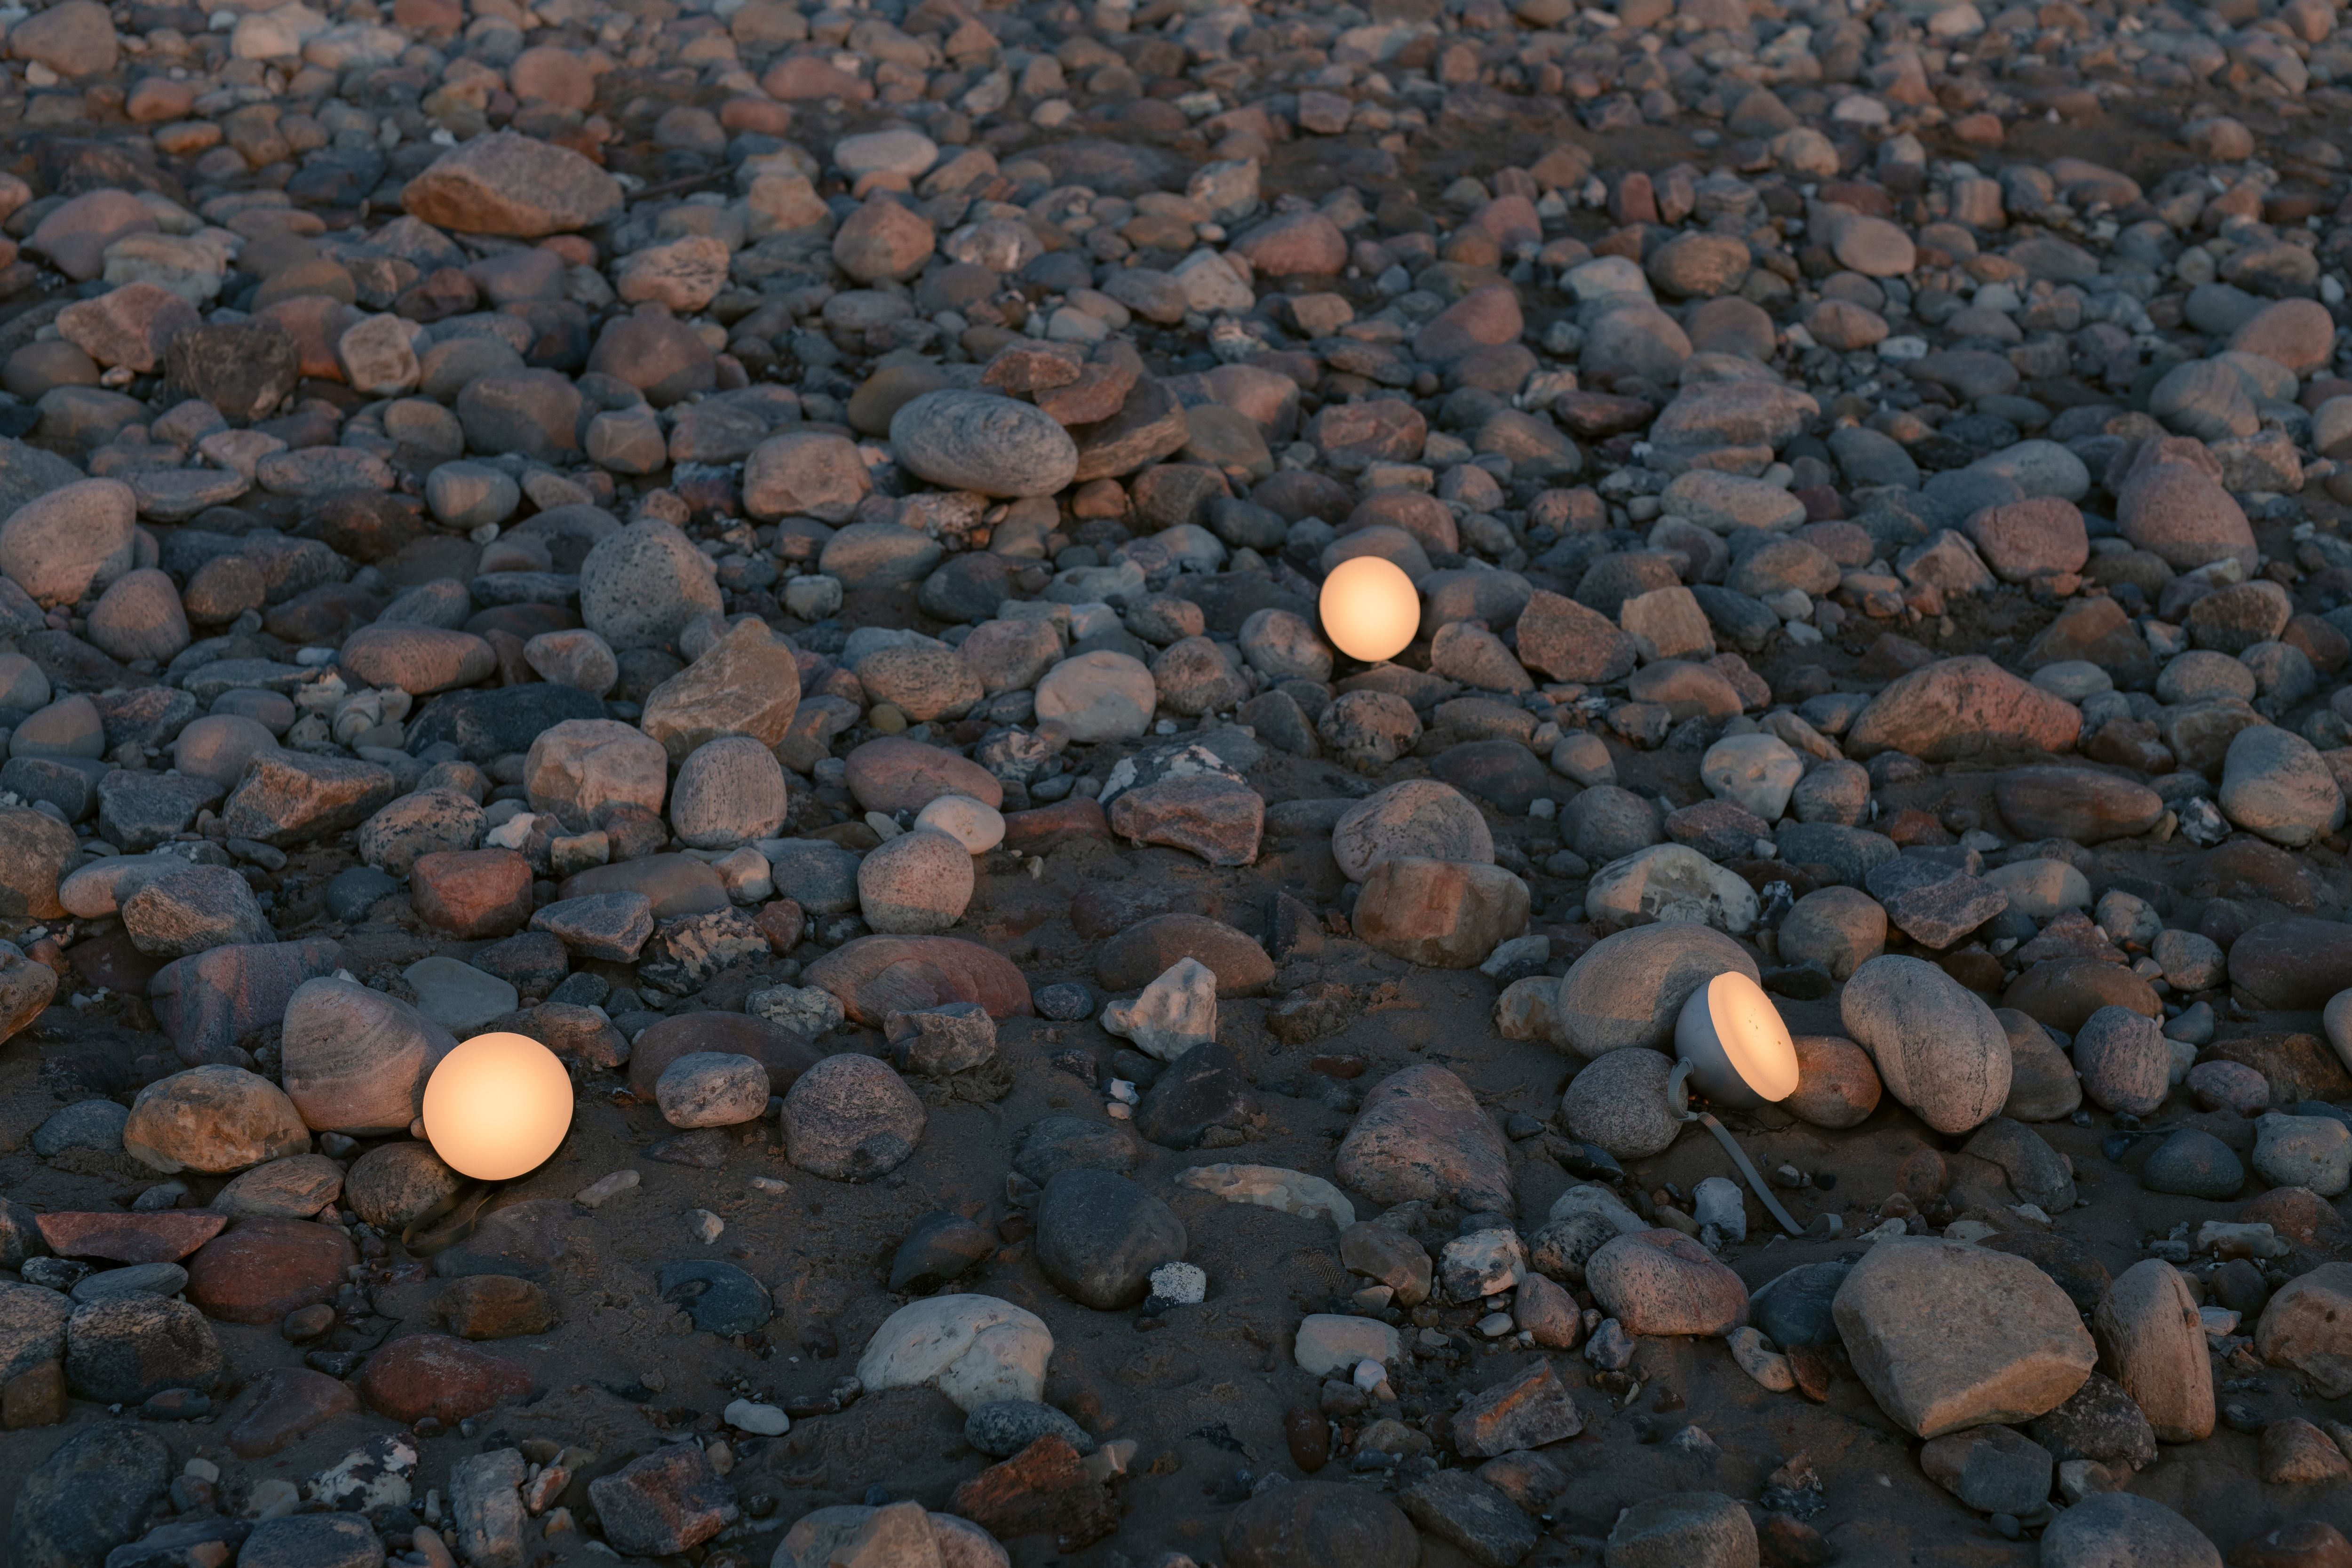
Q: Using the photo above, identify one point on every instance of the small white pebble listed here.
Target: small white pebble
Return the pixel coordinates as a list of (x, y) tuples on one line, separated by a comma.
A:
[(604, 1188), (1184, 1284)]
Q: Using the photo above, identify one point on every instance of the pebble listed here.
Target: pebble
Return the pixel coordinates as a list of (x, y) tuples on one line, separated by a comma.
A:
[(1938, 1048), (850, 1118), (1628, 989), (2023, 1358), (2122, 1526), (976, 1349)]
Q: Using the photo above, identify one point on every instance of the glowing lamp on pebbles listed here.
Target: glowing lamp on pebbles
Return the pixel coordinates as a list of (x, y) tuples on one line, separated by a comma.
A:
[(1731, 1045), (1738, 1049), (497, 1107), (1371, 609)]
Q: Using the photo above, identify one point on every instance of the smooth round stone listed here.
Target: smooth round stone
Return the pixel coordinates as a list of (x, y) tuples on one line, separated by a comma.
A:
[(712, 1088), (398, 1184), (1835, 928), (573, 658), (273, 711), (1099, 696), (979, 828), (1793, 1308), (1619, 1103), (466, 495), (642, 586), (69, 727), (728, 792), (2125, 1062), (1836, 1084), (22, 685), (1629, 988), (979, 441), (1064, 1003), (95, 1124), (219, 747), (136, 1280), (1661, 1282), (2193, 1163), (140, 618), (2107, 1530), (1420, 818), (1003, 1427), (2202, 675), (2073, 680), (1755, 771), (1608, 822), (850, 1118), (1099, 1237), (916, 884)]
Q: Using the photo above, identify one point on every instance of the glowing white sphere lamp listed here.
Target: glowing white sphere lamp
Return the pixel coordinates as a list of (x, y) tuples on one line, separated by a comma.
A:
[(1738, 1049), (497, 1107), (1371, 609)]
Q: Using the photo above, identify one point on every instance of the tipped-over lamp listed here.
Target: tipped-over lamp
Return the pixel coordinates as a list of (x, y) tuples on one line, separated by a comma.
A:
[(1370, 608), (497, 1107), (1732, 1046)]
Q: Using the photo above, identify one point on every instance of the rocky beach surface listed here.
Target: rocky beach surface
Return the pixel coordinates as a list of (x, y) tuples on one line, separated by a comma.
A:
[(777, 550)]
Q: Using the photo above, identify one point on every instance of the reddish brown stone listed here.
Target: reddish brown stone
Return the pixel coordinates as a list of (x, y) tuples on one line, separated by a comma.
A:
[(1915, 826), (2298, 1067), (2062, 992), (875, 976), (34, 1397), (797, 76), (494, 1307), (1141, 953), (1523, 1412), (1044, 1490), (436, 1375), (1594, 415), (471, 893), (1047, 828), (2295, 964), (894, 773), (1216, 818), (781, 923), (2306, 1543), (2243, 867), (265, 1268), (663, 1504), (1812, 1372), (1961, 707), (2299, 1214), (581, 1034), (2081, 804), (165, 1236), (289, 1403)]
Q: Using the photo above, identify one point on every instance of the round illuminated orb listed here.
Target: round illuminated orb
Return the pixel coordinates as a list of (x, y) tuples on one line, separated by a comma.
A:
[(1738, 1049), (1370, 608), (498, 1106)]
